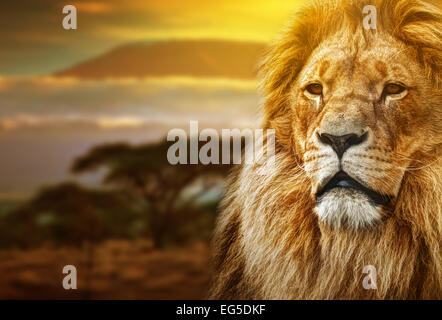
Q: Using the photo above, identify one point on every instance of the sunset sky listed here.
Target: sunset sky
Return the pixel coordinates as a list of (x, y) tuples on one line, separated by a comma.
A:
[(47, 121), (33, 42)]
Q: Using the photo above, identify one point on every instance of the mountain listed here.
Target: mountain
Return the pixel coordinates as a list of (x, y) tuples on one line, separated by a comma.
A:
[(195, 58)]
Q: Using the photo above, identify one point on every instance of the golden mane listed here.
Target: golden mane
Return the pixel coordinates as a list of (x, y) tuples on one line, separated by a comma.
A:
[(268, 242), (406, 250)]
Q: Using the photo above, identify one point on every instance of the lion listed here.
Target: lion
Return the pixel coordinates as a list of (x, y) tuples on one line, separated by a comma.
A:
[(356, 181)]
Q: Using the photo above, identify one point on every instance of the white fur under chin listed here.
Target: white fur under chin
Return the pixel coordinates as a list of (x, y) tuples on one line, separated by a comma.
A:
[(341, 207)]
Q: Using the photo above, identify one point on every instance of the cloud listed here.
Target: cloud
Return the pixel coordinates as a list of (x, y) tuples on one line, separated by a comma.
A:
[(38, 101)]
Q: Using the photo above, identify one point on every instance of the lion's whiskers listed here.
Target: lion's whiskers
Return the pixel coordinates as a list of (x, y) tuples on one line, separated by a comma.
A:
[(387, 178)]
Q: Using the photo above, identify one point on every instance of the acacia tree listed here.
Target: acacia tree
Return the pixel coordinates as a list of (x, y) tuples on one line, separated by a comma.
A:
[(68, 214), (144, 170)]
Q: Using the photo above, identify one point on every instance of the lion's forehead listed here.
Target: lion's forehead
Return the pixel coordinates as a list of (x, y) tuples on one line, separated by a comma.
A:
[(340, 63)]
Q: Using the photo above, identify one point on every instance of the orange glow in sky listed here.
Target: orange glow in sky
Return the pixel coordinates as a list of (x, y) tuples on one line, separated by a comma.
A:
[(39, 44), (257, 20)]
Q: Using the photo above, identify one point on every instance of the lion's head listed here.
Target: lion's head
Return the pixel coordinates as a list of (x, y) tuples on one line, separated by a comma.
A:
[(358, 107), (357, 178)]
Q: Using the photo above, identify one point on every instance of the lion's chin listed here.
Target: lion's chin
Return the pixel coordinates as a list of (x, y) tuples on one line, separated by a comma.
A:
[(347, 208)]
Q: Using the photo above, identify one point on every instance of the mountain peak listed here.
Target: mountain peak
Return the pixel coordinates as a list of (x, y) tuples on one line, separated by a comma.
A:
[(193, 58)]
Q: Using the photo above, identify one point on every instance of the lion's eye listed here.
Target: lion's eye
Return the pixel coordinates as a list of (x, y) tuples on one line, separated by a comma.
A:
[(314, 88), (393, 88)]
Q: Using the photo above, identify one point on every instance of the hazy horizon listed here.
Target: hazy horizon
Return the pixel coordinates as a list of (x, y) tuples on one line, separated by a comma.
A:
[(199, 65)]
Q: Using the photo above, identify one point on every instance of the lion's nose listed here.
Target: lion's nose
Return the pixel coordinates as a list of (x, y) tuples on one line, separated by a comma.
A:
[(341, 143)]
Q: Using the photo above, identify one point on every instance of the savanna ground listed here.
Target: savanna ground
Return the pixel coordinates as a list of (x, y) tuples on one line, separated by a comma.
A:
[(121, 269), (162, 214)]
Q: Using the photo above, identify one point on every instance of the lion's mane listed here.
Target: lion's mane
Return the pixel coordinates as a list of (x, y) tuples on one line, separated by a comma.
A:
[(268, 242)]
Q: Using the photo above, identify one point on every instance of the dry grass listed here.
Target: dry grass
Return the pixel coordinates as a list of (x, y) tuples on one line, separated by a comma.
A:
[(121, 270)]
